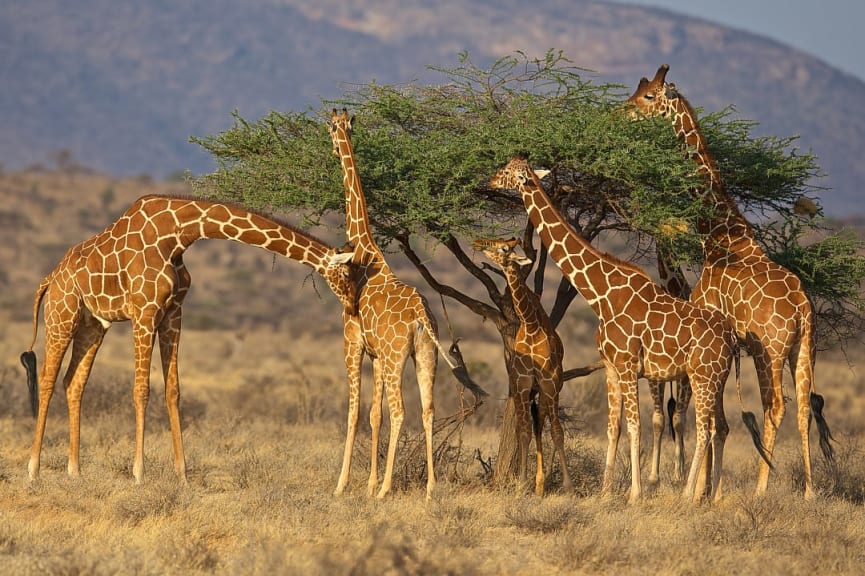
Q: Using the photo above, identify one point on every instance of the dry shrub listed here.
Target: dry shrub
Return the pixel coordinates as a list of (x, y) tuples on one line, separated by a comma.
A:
[(544, 515)]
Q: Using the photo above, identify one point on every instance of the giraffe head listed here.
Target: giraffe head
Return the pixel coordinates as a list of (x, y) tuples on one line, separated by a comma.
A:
[(516, 174), (342, 277), (339, 120), (503, 252), (653, 97)]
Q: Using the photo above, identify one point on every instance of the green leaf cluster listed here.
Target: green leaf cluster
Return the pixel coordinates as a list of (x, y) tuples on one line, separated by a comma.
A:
[(425, 154)]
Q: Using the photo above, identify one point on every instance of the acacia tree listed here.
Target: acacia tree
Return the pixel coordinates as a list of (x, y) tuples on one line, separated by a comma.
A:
[(426, 153)]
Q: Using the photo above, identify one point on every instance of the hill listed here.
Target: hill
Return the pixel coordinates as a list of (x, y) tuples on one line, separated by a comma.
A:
[(121, 86)]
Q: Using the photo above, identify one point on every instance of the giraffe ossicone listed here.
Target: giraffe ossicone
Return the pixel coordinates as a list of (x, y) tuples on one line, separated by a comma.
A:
[(133, 271)]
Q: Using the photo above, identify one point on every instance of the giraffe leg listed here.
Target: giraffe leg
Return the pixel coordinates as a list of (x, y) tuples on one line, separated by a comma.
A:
[(353, 350), (801, 363), (539, 420), (86, 343), (719, 437), (614, 416), (426, 359), (143, 334), (657, 390), (683, 399), (769, 374), (56, 343), (169, 341), (375, 423), (396, 413), (631, 406), (701, 432), (524, 424), (558, 436)]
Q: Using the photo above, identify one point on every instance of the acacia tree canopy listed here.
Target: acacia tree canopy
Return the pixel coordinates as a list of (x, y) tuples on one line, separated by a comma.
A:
[(426, 152)]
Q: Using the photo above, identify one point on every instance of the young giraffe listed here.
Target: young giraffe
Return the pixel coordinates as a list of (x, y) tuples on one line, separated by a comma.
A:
[(765, 301), (393, 322), (536, 364), (642, 332), (133, 270)]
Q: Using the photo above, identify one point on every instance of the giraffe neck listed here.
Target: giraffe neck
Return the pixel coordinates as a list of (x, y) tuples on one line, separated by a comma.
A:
[(525, 301), (728, 230), (183, 221), (357, 228), (591, 272)]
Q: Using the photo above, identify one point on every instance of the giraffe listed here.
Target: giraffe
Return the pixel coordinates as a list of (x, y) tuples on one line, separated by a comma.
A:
[(133, 270), (642, 332), (393, 322), (536, 364), (766, 302)]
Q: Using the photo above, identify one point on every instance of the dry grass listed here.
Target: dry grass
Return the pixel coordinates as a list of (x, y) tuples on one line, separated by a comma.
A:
[(263, 411), (264, 435)]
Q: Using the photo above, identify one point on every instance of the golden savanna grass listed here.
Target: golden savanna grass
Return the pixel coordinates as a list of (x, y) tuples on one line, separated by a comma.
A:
[(263, 409)]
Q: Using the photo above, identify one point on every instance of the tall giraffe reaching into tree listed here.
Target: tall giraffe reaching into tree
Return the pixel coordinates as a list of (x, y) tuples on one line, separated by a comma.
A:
[(536, 363), (765, 301), (642, 332), (133, 270), (393, 322)]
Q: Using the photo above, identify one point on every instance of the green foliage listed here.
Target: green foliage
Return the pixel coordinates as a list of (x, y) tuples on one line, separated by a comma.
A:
[(831, 268), (425, 154)]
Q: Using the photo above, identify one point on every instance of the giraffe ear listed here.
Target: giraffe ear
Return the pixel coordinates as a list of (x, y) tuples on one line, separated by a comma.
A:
[(341, 258), (540, 173)]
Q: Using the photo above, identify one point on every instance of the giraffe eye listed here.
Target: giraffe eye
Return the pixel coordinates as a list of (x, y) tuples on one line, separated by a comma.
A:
[(649, 96)]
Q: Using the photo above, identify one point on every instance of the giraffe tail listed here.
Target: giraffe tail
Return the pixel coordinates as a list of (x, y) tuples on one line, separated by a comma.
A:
[(826, 438), (671, 410), (749, 418), (454, 358), (28, 358)]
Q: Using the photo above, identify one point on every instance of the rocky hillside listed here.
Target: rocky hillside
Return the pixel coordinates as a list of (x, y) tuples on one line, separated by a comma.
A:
[(120, 86)]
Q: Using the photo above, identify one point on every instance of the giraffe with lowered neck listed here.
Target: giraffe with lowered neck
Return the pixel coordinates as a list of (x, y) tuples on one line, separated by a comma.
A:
[(133, 270), (765, 301), (393, 322), (536, 364), (642, 332)]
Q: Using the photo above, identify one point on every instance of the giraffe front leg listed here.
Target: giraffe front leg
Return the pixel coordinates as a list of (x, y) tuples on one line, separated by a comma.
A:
[(353, 360), (614, 416), (143, 336), (426, 360), (169, 341), (375, 424), (631, 406), (683, 399), (657, 391)]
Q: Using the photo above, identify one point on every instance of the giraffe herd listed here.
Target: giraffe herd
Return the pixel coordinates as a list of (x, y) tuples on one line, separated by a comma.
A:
[(662, 332)]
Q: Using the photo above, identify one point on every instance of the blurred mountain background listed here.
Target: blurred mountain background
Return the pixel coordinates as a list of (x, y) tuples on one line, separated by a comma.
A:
[(120, 87)]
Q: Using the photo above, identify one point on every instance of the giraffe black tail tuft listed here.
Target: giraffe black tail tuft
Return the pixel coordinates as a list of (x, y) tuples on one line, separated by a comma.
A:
[(462, 374), (28, 359), (537, 424), (751, 424), (826, 438), (671, 410)]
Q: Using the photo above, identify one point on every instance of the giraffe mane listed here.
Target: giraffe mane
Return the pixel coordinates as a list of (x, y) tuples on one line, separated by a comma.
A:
[(239, 206)]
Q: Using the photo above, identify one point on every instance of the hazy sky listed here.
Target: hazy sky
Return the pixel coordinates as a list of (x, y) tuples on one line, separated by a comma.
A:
[(832, 30)]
